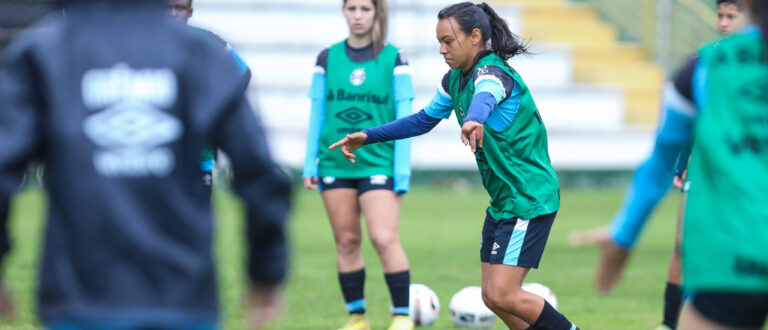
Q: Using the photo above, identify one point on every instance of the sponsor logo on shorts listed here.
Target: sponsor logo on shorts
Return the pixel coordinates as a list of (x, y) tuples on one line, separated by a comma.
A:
[(329, 179), (207, 179), (496, 246), (379, 179)]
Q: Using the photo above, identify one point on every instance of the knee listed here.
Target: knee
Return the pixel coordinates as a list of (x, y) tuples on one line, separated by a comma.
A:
[(496, 298), (384, 243), (506, 298), (348, 244), (487, 301)]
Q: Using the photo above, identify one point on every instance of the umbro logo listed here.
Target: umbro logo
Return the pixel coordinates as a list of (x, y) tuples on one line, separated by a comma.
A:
[(353, 116), (495, 247)]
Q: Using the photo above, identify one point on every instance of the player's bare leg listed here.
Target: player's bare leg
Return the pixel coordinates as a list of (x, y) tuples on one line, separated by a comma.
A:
[(344, 213), (512, 321), (590, 236), (381, 209), (672, 293), (343, 210), (675, 274), (504, 292)]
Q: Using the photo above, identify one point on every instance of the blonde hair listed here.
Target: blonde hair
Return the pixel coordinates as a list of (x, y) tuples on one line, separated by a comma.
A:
[(379, 30)]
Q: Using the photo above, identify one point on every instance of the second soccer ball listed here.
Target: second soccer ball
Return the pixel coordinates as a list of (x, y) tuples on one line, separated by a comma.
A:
[(425, 307)]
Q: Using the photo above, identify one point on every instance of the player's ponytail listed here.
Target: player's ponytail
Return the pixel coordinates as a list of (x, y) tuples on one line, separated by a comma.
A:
[(504, 43), (379, 31), (497, 37)]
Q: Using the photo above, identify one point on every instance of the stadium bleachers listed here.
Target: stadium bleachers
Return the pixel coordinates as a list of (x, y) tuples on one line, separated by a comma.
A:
[(280, 39)]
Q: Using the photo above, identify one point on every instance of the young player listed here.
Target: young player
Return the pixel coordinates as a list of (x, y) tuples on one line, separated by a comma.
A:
[(183, 10), (716, 101), (358, 83), (501, 123), (112, 101), (728, 16)]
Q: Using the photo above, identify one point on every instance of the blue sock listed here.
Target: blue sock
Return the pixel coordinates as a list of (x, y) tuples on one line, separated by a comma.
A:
[(352, 285), (399, 285), (551, 319)]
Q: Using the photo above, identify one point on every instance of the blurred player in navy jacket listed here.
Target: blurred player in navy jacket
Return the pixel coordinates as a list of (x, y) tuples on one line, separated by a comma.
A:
[(118, 100)]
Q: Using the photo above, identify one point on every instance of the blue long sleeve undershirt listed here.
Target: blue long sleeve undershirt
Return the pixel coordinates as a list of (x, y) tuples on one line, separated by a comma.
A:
[(410, 126), (480, 108), (419, 123), (653, 178)]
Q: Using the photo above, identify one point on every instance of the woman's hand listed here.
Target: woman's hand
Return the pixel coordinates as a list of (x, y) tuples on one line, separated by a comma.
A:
[(472, 134), (678, 181), (349, 144), (311, 182)]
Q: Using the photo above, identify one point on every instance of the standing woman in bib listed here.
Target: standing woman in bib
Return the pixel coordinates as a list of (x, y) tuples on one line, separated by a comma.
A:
[(500, 121), (359, 83)]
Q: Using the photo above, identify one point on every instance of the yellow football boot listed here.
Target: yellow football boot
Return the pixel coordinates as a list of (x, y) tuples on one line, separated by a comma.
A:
[(357, 322), (401, 322)]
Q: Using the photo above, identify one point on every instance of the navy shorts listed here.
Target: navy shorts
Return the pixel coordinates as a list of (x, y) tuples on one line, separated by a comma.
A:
[(736, 310), (374, 182), (515, 242)]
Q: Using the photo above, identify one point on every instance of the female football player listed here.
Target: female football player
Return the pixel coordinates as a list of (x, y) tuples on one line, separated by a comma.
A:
[(502, 125), (358, 83), (728, 21), (717, 102)]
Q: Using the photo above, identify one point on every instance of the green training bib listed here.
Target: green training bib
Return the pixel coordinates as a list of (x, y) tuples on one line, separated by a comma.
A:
[(514, 163), (725, 237), (358, 96)]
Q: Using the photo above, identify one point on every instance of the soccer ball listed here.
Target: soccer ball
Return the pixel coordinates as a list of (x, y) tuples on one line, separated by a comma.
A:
[(469, 311), (541, 291), (424, 305)]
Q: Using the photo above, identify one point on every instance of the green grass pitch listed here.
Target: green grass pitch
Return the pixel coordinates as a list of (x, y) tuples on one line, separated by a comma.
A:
[(440, 230)]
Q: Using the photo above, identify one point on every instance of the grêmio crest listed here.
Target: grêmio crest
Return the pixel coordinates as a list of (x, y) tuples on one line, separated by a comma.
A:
[(357, 77)]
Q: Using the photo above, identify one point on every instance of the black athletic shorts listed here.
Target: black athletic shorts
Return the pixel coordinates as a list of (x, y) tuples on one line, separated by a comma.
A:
[(363, 185), (736, 310), (515, 242)]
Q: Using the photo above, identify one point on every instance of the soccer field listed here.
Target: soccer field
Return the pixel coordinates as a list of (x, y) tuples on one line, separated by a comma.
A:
[(440, 230)]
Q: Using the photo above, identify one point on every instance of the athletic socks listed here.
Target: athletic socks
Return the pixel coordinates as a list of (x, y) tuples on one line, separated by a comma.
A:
[(551, 319), (352, 285), (673, 298), (399, 286)]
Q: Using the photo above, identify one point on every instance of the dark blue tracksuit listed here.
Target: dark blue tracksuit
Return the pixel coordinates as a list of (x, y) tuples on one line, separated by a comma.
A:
[(118, 100)]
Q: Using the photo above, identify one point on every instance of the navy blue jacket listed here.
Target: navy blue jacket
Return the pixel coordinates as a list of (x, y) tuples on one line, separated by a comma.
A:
[(118, 100)]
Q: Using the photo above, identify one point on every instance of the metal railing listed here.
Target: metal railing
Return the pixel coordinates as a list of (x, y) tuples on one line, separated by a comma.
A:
[(670, 30)]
